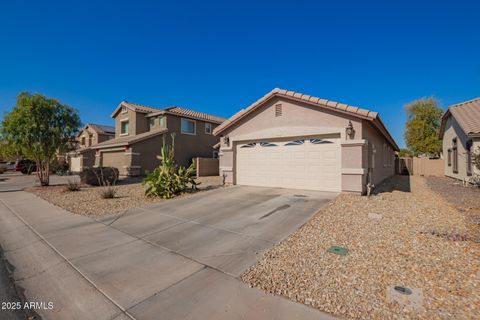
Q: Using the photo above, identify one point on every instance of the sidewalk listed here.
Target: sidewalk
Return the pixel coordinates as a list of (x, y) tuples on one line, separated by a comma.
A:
[(90, 270)]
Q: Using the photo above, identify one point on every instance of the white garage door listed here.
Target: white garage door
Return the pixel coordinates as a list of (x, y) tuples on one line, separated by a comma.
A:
[(312, 164)]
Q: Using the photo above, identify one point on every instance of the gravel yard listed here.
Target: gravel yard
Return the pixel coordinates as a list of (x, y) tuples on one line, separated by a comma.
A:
[(462, 198), (404, 236), (88, 202)]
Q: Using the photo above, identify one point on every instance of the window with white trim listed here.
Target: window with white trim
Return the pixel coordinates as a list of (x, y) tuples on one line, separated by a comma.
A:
[(188, 126), (152, 123), (124, 109), (208, 128)]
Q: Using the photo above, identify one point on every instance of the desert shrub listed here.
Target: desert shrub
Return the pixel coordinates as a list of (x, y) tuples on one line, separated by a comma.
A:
[(99, 176), (108, 192), (168, 180), (73, 185)]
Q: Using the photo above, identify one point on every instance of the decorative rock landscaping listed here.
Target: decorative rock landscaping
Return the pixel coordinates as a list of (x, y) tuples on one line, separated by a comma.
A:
[(88, 200), (397, 250)]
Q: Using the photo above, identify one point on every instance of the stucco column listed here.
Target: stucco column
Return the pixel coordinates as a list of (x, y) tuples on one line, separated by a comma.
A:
[(132, 162), (354, 166)]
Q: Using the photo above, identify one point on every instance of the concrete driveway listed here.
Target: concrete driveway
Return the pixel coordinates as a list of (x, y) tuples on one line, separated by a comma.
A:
[(180, 259)]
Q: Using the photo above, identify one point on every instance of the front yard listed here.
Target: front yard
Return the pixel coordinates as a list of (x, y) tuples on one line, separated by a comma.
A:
[(406, 235), (87, 201)]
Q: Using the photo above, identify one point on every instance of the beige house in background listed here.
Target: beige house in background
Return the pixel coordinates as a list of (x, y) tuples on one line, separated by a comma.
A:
[(139, 132), (460, 132), (292, 140), (91, 134)]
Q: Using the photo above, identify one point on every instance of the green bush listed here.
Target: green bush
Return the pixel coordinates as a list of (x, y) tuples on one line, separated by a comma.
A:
[(168, 180)]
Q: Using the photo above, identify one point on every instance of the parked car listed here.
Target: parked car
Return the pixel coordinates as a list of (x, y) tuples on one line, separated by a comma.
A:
[(25, 166), (3, 167), (11, 165)]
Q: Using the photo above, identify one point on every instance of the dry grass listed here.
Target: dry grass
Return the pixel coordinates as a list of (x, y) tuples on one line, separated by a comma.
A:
[(398, 249), (88, 200)]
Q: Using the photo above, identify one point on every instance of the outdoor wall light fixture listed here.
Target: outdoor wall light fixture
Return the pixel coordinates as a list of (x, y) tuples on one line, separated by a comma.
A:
[(349, 130), (226, 140)]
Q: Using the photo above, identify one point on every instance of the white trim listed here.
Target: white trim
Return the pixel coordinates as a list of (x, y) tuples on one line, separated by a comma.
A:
[(195, 127), (132, 153), (353, 171), (226, 168)]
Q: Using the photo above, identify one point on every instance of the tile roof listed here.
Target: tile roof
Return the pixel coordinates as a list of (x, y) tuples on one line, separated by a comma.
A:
[(190, 114), (134, 107), (139, 107), (151, 111), (128, 140), (323, 103), (101, 128), (467, 115)]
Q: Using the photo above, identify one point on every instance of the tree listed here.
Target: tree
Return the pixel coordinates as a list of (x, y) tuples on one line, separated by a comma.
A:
[(37, 128), (422, 127), (405, 153)]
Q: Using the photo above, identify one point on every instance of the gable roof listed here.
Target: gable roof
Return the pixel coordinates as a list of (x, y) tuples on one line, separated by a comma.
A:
[(151, 111), (189, 114), (101, 128), (467, 114), (134, 107), (98, 128), (314, 101), (128, 140)]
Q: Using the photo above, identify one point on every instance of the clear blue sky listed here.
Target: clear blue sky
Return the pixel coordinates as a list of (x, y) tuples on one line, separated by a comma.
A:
[(218, 57)]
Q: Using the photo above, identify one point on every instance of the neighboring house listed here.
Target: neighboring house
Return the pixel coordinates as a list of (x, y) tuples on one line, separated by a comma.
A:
[(139, 132), (292, 140), (91, 134), (460, 132)]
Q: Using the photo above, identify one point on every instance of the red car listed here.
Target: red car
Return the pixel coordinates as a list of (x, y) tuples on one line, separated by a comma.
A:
[(25, 166)]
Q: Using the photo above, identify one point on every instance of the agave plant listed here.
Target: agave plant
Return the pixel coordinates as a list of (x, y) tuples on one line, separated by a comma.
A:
[(168, 180)]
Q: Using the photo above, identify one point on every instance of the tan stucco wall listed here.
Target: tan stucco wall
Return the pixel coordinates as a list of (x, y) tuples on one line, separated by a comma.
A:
[(381, 169), (138, 123), (207, 167), (453, 130), (189, 146), (95, 137), (144, 153)]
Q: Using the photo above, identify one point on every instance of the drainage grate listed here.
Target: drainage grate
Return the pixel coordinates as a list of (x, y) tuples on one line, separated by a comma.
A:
[(338, 250)]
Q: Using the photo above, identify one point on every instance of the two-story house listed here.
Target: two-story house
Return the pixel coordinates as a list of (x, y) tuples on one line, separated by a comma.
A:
[(91, 134), (139, 132)]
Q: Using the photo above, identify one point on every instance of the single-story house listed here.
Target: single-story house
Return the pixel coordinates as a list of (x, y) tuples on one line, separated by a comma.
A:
[(460, 132), (293, 140), (91, 134), (139, 134)]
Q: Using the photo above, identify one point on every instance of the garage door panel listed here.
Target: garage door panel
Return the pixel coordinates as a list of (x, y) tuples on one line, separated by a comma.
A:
[(298, 164)]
